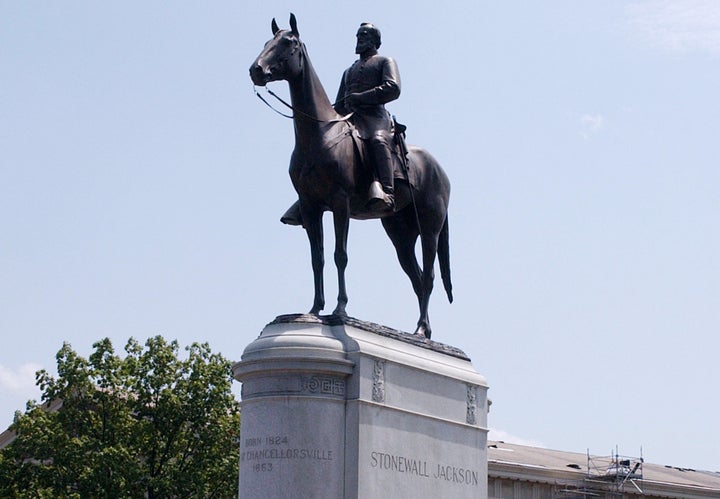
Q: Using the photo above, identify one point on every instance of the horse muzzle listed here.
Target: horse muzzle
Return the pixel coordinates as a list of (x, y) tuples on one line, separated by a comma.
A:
[(260, 76)]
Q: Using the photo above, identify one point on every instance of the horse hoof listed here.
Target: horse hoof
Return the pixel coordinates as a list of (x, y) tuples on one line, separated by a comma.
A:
[(423, 331)]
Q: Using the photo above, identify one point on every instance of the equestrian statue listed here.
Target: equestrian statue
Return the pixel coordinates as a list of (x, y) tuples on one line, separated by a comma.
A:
[(350, 158)]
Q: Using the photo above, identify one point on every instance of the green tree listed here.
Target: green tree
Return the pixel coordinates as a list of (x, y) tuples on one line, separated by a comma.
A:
[(148, 424)]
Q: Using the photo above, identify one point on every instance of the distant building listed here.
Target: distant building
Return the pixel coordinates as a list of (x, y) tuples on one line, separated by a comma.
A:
[(8, 436), (521, 472)]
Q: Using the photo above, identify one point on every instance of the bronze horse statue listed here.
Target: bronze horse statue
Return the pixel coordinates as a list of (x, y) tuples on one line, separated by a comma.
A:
[(327, 172)]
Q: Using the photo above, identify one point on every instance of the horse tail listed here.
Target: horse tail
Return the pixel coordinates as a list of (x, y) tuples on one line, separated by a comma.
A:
[(444, 258)]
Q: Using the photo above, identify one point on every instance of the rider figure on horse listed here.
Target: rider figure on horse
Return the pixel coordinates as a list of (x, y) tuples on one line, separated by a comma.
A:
[(366, 86)]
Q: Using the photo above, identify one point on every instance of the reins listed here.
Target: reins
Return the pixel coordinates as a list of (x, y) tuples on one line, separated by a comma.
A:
[(295, 111), (270, 105)]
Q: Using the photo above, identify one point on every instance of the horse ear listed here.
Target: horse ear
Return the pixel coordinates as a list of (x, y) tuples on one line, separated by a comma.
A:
[(274, 27), (293, 25)]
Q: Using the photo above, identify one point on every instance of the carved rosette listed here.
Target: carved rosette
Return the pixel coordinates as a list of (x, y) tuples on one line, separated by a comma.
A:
[(471, 415), (378, 390)]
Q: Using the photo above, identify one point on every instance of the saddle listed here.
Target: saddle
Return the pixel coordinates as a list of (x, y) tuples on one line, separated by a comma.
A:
[(402, 166)]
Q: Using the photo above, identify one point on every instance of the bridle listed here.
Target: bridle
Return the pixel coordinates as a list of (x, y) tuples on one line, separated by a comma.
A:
[(286, 104)]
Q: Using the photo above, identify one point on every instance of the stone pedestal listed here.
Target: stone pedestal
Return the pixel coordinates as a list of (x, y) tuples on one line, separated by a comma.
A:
[(348, 409)]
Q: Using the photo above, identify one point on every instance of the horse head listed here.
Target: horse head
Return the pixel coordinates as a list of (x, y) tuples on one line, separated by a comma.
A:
[(281, 59)]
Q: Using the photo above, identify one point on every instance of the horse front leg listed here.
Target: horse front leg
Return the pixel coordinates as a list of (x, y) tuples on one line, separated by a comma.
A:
[(341, 221), (314, 230)]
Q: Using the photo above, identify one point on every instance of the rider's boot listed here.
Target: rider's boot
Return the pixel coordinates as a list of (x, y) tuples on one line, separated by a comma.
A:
[(292, 216), (384, 170)]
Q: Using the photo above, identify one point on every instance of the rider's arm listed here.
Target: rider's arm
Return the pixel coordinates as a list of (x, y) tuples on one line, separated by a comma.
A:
[(387, 91)]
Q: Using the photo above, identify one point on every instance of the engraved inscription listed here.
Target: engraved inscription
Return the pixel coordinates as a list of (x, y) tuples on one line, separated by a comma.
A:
[(264, 454), (262, 467), (401, 464), (457, 475), (253, 442), (424, 469), (295, 453)]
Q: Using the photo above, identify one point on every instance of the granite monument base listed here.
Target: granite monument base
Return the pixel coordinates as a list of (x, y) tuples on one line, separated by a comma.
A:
[(341, 408)]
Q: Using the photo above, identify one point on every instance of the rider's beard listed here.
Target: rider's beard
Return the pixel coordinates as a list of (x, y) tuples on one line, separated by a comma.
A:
[(362, 47)]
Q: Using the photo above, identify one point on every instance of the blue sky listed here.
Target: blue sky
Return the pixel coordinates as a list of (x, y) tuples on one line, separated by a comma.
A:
[(141, 183)]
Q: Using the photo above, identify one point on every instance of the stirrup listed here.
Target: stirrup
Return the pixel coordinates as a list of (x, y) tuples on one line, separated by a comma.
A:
[(384, 203), (378, 199)]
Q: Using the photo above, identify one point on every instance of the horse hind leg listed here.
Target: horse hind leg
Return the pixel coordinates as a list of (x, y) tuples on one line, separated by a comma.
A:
[(429, 249), (403, 233)]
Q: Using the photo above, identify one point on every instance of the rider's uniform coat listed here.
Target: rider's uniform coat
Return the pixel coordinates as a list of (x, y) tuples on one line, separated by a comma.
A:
[(377, 81)]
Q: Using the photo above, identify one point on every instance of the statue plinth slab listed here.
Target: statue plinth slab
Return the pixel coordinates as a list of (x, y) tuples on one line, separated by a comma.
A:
[(337, 407)]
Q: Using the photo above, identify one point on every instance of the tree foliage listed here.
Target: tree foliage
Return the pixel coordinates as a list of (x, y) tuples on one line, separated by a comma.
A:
[(148, 424)]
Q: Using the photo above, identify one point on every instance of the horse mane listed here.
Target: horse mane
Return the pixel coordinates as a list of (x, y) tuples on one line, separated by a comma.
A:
[(324, 109)]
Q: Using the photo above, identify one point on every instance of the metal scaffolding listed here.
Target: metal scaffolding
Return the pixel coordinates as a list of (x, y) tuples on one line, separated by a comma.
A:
[(607, 477)]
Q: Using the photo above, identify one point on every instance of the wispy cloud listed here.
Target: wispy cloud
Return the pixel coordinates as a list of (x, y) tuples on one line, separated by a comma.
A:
[(20, 379), (501, 435), (678, 26), (591, 124)]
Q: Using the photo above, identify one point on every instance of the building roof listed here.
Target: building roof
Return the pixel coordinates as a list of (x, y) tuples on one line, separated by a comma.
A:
[(552, 466)]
